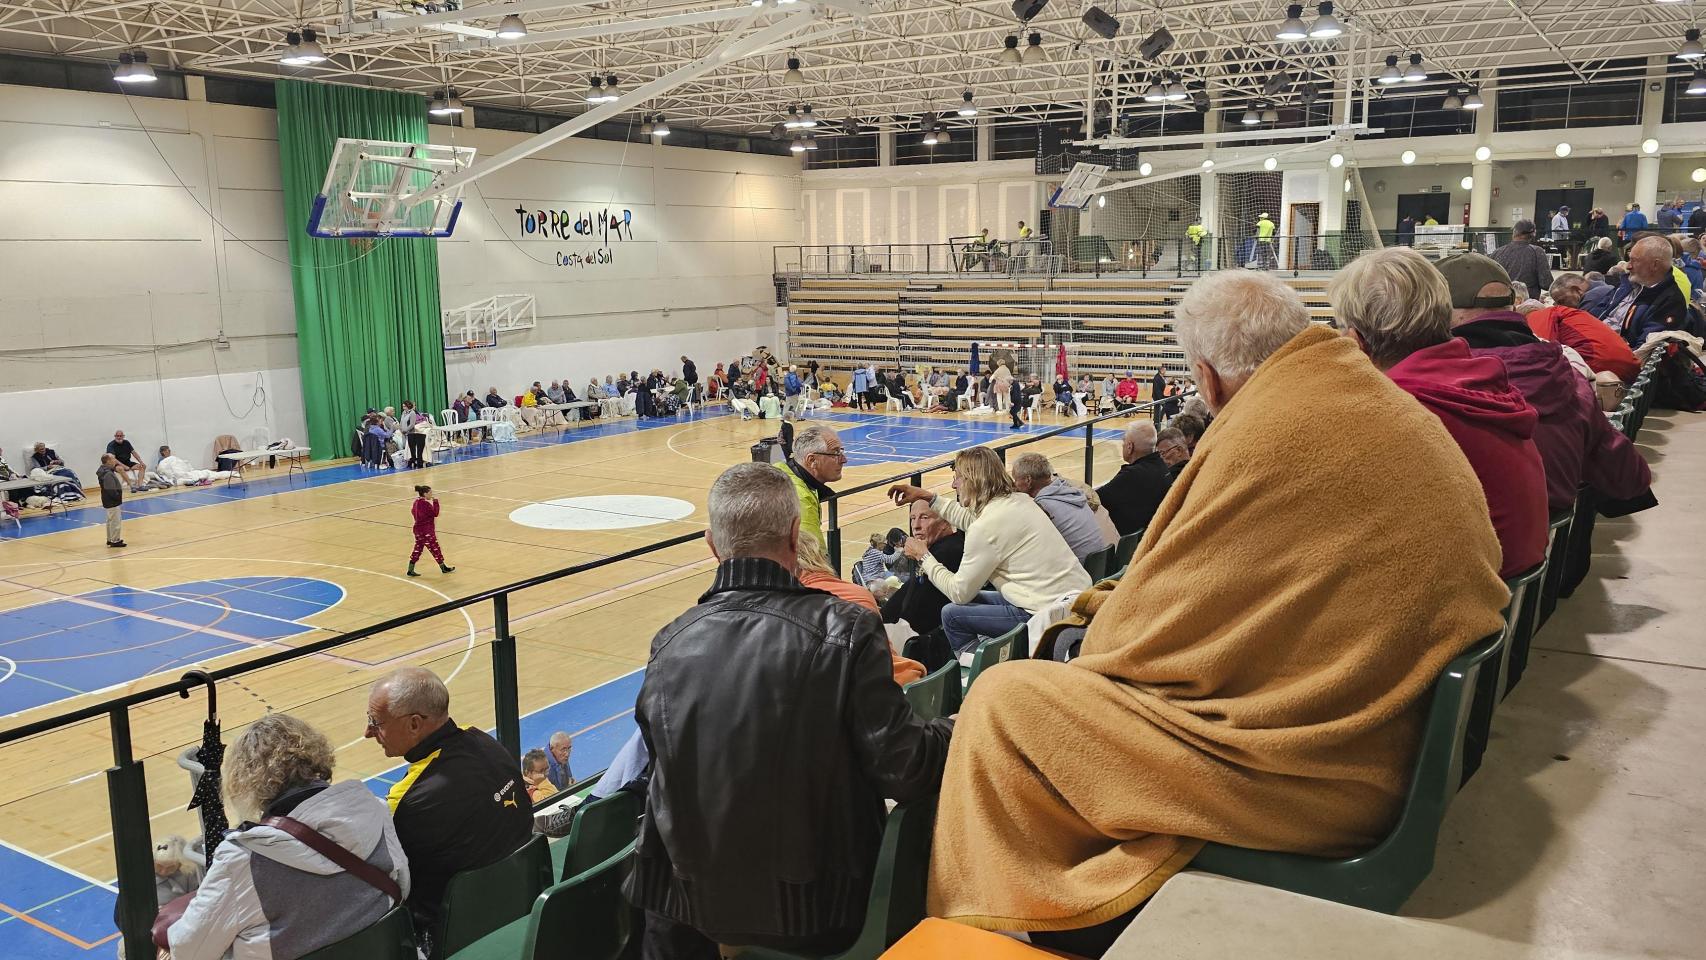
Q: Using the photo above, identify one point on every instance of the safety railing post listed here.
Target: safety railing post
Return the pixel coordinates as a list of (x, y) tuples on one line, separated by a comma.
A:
[(1089, 454), (133, 848), (834, 542), (505, 699)]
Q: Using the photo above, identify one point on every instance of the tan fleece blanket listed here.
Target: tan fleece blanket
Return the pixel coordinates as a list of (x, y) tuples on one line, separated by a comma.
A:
[(1259, 675)]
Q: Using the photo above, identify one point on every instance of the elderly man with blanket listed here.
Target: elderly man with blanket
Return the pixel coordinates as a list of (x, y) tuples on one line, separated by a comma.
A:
[(1260, 675)]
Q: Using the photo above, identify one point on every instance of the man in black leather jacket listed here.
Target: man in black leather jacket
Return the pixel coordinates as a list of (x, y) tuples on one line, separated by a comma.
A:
[(775, 729)]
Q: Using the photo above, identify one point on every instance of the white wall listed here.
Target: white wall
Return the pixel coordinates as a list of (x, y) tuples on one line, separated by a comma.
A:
[(918, 204), (117, 284)]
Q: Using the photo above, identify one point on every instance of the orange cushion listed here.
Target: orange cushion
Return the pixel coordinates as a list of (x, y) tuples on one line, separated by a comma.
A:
[(944, 940)]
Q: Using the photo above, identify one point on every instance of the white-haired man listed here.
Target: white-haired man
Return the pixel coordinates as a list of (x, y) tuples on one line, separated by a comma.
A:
[(1133, 493), (776, 730), (818, 459), (461, 804), (1258, 675)]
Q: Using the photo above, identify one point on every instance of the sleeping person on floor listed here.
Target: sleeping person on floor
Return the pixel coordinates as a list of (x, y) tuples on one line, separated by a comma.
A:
[(1259, 676)]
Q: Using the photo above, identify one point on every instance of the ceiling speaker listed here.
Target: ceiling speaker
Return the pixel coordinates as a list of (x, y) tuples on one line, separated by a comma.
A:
[(1026, 9), (1100, 23), (1158, 43), (1276, 84)]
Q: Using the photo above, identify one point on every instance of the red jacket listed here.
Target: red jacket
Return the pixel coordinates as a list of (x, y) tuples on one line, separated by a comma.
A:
[(1588, 335), (426, 515), (1495, 427), (1127, 390), (1577, 443)]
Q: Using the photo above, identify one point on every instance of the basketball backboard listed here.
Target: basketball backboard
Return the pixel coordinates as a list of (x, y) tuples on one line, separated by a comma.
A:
[(371, 190), (1080, 183)]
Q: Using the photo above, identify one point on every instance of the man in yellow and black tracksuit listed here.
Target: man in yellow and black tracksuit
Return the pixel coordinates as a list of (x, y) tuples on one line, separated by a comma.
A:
[(461, 804)]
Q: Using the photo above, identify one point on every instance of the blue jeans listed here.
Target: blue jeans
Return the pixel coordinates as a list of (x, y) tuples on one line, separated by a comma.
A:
[(987, 615)]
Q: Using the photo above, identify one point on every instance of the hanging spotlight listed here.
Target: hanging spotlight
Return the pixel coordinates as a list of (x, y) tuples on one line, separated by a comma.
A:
[(309, 51), (1011, 53), (1562, 150), (930, 139), (1649, 146), (808, 119), (1467, 183), (793, 74), (798, 145), (1696, 84), (1691, 48), (1270, 115), (595, 90), (967, 108), (1251, 117), (291, 54), (1473, 101), (134, 68), (646, 128), (1407, 157), (1154, 93), (1145, 168), (1292, 27), (1336, 161), (1391, 74), (1176, 91), (1271, 163), (511, 28), (1326, 25), (439, 107), (612, 91), (793, 120), (1034, 49), (1414, 72), (1452, 101), (942, 134), (1483, 154)]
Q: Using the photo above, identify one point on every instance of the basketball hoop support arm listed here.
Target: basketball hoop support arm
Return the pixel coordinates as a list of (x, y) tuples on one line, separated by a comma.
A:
[(739, 44)]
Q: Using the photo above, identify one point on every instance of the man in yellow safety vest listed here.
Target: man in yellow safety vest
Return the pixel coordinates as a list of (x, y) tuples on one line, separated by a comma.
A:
[(1195, 234), (1265, 258)]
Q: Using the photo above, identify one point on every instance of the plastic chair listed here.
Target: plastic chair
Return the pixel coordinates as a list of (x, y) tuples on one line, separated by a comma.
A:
[(991, 652), (600, 828), (1100, 564), (1384, 877), (392, 938), (585, 917), (937, 695), (1490, 685), (896, 903), (1558, 549), (1126, 549), (478, 901)]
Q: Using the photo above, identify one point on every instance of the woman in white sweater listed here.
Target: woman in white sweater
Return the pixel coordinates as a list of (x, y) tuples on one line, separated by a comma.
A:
[(1010, 543)]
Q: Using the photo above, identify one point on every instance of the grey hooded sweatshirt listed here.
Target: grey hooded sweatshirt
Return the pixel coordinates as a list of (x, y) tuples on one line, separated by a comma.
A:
[(1069, 510), (268, 896)]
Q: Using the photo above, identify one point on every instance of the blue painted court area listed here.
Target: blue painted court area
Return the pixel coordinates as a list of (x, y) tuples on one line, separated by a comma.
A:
[(63, 648), (872, 438), (49, 913)]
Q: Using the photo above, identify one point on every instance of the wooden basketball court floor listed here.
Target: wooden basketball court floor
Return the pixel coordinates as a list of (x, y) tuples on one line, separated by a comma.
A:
[(218, 575)]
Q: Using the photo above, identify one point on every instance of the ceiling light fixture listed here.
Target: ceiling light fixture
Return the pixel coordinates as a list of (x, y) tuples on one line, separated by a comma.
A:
[(612, 88), (798, 145), (1473, 101), (1649, 146), (1011, 52), (793, 74), (942, 134), (1270, 115), (1034, 49), (929, 139), (811, 143), (134, 68), (291, 54), (1391, 74), (595, 90), (1407, 157), (1145, 168), (1691, 48), (1562, 150), (1292, 28), (1176, 91), (445, 106), (1452, 101), (1467, 183), (1326, 26), (1271, 163), (1699, 175), (310, 51), (1154, 93), (967, 108), (808, 119), (1101, 200), (1696, 83), (1208, 164), (660, 128), (1483, 154), (1414, 73), (511, 28), (646, 128), (1336, 161), (1251, 117)]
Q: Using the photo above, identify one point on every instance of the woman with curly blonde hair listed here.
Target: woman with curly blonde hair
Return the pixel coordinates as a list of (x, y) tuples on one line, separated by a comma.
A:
[(269, 894)]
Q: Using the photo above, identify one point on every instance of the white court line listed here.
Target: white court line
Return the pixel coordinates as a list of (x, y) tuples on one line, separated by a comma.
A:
[(11, 668)]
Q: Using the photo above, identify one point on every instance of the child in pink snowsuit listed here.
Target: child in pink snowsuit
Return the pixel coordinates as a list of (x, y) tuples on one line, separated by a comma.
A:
[(426, 529)]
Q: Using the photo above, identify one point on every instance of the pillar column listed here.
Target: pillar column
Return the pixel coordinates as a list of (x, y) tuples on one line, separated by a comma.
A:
[(1652, 112), (1647, 184), (1208, 203), (885, 148), (985, 138), (1481, 191)]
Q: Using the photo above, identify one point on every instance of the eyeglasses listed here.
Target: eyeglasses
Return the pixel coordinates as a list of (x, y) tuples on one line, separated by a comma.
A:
[(837, 454), (373, 724)]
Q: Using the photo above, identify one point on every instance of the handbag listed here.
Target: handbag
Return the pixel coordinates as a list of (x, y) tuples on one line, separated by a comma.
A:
[(173, 911)]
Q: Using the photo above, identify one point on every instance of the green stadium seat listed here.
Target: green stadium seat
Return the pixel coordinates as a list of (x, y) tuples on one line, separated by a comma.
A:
[(937, 695), (1557, 552), (600, 827), (1126, 549), (1490, 684), (896, 903), (476, 902), (991, 652), (392, 938), (584, 917), (1100, 564), (1384, 877)]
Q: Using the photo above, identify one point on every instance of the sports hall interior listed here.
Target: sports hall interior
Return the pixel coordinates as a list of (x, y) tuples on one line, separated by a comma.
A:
[(1036, 181)]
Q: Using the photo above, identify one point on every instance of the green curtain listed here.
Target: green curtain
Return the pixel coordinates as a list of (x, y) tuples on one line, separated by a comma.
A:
[(368, 328)]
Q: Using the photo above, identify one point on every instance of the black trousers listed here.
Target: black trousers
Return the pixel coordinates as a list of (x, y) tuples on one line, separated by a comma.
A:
[(417, 449)]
